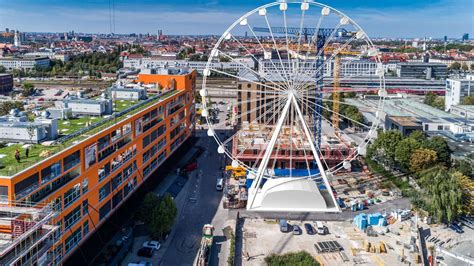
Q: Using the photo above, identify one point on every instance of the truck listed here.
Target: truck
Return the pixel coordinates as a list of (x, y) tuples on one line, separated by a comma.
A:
[(204, 254)]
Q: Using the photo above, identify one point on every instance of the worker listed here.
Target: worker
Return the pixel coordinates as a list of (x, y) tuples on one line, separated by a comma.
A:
[(17, 155)]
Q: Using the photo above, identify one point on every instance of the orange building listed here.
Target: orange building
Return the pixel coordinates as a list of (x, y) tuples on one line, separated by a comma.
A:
[(88, 180), (166, 78)]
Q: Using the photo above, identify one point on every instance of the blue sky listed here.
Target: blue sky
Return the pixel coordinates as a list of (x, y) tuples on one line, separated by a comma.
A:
[(380, 18)]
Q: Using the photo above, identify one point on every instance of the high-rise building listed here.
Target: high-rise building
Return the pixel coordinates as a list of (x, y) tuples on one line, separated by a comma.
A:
[(457, 89), (17, 40), (465, 37), (445, 38), (72, 188)]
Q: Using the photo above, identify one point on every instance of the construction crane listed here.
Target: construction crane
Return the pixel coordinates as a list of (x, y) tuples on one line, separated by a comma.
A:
[(321, 35)]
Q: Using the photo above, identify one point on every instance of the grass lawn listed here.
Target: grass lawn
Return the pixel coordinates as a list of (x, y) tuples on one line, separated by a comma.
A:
[(301, 258), (70, 126), (8, 164), (121, 105)]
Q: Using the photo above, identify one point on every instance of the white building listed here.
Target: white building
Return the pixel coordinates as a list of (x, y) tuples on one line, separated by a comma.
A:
[(348, 67), (62, 56), (24, 62), (457, 89), (16, 128), (199, 66), (466, 111), (94, 107), (129, 94)]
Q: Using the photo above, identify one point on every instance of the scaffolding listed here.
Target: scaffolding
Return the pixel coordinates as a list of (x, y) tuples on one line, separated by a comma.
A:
[(26, 233)]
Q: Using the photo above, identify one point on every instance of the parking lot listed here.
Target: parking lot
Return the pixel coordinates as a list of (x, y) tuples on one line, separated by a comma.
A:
[(263, 237)]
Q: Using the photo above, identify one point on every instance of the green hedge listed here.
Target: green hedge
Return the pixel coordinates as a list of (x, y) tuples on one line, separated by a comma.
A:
[(301, 258)]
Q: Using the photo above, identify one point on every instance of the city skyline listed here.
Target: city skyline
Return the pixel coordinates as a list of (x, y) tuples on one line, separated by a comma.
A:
[(392, 19)]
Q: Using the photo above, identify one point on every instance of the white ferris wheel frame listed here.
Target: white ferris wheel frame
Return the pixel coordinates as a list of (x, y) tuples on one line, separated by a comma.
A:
[(291, 101)]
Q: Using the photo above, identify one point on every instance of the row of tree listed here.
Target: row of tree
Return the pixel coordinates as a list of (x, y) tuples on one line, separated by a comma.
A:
[(434, 100), (158, 213), (445, 187)]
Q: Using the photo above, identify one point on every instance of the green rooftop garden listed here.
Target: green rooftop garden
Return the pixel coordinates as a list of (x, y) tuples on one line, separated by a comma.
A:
[(38, 152)]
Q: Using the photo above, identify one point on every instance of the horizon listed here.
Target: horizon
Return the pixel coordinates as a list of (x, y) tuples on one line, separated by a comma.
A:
[(391, 19)]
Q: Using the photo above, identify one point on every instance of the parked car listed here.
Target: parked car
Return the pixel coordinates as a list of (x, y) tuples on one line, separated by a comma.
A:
[(284, 226), (296, 230), (155, 245), (145, 252), (309, 229)]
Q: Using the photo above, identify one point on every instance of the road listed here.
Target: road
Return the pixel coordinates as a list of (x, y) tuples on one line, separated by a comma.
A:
[(198, 204)]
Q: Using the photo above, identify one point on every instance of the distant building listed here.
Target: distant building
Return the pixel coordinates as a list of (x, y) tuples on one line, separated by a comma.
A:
[(26, 63), (465, 37), (15, 127), (93, 107), (422, 70), (6, 83), (159, 62), (405, 124), (466, 111), (457, 89), (52, 55), (129, 94)]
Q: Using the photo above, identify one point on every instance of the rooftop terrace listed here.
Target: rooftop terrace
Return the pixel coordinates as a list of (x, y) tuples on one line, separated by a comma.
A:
[(72, 131)]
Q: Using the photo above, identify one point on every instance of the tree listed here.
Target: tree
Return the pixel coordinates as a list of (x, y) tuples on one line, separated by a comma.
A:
[(464, 67), (468, 100), (467, 186), (440, 146), (422, 159), (455, 66), (472, 67), (429, 98), (418, 135), (383, 148), (150, 201), (464, 167), (5, 107), (3, 69), (442, 193), (404, 151), (28, 89), (163, 217), (297, 258)]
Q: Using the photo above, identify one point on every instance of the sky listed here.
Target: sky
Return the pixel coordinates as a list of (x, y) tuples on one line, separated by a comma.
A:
[(379, 18)]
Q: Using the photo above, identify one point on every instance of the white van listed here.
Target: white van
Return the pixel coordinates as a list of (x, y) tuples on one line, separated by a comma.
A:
[(220, 184), (320, 228)]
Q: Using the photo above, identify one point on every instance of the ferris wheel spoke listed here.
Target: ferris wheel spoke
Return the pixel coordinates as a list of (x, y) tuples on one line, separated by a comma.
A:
[(256, 60), (295, 75), (269, 104), (337, 51), (313, 72), (336, 128), (332, 111), (277, 86), (242, 78), (253, 121), (300, 127), (271, 61), (290, 61), (273, 92), (246, 147), (287, 80)]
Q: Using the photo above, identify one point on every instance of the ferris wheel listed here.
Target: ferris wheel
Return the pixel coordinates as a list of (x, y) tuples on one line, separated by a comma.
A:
[(294, 123)]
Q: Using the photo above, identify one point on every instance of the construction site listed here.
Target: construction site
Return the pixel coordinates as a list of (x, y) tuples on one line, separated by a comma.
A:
[(391, 238), (26, 233)]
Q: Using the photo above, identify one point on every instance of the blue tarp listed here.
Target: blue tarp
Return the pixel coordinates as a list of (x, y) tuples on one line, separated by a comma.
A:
[(360, 221), (296, 172)]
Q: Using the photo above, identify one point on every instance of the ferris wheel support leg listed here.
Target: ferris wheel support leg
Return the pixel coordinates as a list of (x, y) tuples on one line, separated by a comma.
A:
[(268, 152), (315, 152)]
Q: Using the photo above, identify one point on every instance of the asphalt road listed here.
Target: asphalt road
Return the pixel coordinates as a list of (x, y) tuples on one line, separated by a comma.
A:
[(199, 206)]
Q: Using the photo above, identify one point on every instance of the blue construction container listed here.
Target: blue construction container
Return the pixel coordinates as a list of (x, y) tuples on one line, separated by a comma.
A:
[(360, 221)]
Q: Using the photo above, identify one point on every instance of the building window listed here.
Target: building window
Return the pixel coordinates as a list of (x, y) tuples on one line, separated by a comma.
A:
[(85, 207), (71, 218), (72, 195), (104, 210), (73, 240), (104, 191), (85, 228)]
